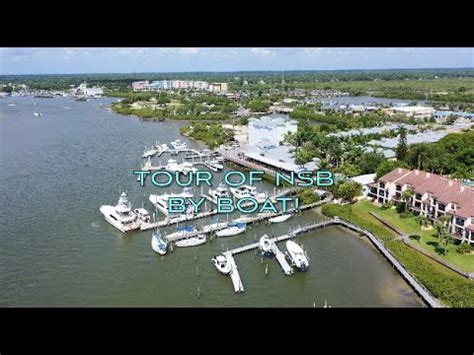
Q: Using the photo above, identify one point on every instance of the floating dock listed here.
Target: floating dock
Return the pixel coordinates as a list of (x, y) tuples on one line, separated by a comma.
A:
[(417, 287), (234, 273), (287, 269)]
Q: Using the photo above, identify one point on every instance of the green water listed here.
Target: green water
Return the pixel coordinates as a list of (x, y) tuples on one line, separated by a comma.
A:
[(57, 250)]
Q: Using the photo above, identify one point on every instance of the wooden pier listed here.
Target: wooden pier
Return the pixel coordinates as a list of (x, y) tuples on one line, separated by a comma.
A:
[(183, 218)]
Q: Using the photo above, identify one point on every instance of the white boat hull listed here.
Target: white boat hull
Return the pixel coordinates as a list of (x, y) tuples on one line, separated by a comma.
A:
[(156, 246), (280, 219), (108, 210), (297, 256), (191, 242), (229, 232), (221, 264)]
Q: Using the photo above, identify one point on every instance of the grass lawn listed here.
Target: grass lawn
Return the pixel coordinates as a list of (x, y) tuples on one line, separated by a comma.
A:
[(428, 240), (446, 285)]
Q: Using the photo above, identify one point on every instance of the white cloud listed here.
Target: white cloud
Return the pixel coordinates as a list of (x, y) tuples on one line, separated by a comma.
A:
[(188, 51), (69, 53), (263, 52)]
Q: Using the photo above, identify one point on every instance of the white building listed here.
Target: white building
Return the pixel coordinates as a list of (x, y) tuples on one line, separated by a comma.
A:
[(269, 131), (414, 111), (364, 180), (93, 92)]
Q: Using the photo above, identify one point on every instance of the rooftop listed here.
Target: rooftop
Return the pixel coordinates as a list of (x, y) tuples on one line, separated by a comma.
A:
[(443, 189), (280, 157)]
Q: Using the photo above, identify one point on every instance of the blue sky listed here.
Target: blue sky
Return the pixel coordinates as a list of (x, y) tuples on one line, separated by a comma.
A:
[(127, 60)]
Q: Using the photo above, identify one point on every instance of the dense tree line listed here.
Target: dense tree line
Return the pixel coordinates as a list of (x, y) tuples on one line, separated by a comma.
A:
[(213, 134)]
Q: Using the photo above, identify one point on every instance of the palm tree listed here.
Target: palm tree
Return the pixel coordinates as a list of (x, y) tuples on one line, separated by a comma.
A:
[(406, 196)]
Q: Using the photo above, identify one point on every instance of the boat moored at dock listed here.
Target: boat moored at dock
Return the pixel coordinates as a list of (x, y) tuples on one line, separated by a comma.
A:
[(149, 153), (281, 218), (266, 246), (161, 201), (121, 216), (191, 241), (232, 229), (142, 214), (297, 256), (221, 264), (221, 191), (158, 244)]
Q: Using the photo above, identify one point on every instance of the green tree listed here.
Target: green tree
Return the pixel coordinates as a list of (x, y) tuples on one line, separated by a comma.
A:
[(347, 190), (406, 196), (308, 196), (401, 150)]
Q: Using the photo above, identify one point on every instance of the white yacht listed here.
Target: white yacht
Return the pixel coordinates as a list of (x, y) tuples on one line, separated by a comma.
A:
[(179, 145), (142, 214), (281, 218), (173, 166), (221, 263), (121, 216), (188, 167), (232, 229), (248, 191), (297, 256), (192, 241), (215, 164), (240, 192), (149, 153), (266, 246), (148, 166), (221, 191), (161, 201), (158, 244)]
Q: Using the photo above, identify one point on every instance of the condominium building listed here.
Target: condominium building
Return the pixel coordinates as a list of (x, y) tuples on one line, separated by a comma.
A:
[(218, 87), (160, 85), (433, 196), (140, 85)]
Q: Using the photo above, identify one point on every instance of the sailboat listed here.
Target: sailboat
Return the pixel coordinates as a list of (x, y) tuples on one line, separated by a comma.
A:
[(37, 113), (158, 243)]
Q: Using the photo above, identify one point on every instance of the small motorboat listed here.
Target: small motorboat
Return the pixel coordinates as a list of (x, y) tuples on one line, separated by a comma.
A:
[(192, 241), (188, 167), (221, 264), (281, 218), (266, 246), (215, 164), (142, 214), (149, 153), (232, 229), (158, 244), (38, 114), (297, 256)]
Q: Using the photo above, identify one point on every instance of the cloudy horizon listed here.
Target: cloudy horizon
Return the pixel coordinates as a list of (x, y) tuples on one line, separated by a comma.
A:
[(145, 60)]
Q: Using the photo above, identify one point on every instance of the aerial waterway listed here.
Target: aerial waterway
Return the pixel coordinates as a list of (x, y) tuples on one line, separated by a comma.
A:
[(56, 249)]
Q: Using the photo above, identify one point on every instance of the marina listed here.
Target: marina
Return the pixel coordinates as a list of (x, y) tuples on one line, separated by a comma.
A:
[(85, 261)]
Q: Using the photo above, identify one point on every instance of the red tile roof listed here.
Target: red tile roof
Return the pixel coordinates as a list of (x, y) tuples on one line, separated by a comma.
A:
[(443, 189)]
